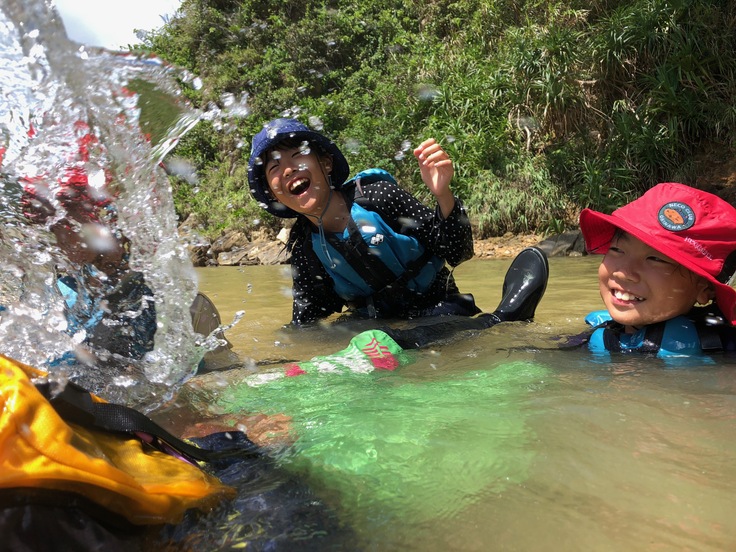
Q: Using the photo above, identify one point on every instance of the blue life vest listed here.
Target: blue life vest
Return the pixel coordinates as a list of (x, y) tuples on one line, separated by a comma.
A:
[(82, 312), (123, 321), (387, 258), (676, 337)]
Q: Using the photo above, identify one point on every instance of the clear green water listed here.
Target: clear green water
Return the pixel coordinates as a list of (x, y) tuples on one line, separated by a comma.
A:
[(493, 442)]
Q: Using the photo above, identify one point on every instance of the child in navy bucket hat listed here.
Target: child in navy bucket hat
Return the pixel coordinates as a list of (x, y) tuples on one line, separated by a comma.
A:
[(365, 243), (667, 273)]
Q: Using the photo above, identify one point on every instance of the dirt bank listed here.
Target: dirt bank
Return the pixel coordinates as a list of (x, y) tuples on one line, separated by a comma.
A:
[(508, 245)]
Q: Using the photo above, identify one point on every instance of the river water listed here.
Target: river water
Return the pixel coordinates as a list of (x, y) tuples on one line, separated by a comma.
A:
[(494, 441)]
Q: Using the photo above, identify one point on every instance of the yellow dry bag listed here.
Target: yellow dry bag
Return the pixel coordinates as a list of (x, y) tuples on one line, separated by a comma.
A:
[(40, 450)]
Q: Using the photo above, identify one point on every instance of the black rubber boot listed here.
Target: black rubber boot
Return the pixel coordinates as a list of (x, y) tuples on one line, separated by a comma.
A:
[(523, 286)]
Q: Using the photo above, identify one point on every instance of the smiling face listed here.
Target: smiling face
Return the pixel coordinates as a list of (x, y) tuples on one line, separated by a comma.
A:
[(640, 286), (298, 178)]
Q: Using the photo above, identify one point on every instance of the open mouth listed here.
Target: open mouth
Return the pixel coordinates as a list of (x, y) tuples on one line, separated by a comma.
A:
[(298, 186), (625, 296)]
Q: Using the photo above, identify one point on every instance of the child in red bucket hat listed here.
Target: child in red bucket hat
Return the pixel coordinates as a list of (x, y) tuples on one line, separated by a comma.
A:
[(665, 278)]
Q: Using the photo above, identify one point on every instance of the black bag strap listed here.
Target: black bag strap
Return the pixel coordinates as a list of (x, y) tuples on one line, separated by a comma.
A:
[(74, 404), (713, 329), (710, 340), (366, 262)]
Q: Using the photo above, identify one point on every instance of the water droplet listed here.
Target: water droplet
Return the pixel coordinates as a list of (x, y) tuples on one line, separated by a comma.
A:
[(227, 99), (427, 93), (353, 146)]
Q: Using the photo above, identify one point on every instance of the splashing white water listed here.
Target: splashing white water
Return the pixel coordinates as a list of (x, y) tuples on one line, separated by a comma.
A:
[(112, 117)]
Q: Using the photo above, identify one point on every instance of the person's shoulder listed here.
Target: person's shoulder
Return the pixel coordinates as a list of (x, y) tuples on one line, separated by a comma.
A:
[(371, 181), (596, 318), (372, 176), (714, 328)]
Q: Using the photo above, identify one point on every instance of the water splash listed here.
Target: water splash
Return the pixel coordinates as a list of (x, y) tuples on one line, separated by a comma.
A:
[(112, 117)]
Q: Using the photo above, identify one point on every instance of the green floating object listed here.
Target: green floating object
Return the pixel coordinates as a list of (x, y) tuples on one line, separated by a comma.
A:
[(413, 449)]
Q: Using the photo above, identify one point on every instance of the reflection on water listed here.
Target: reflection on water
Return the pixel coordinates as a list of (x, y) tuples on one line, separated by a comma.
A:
[(489, 443)]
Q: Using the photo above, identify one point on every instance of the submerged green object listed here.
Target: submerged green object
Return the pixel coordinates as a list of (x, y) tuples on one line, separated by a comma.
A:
[(420, 447)]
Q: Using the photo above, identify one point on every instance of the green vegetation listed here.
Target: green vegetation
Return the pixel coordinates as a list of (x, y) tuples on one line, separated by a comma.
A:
[(546, 106)]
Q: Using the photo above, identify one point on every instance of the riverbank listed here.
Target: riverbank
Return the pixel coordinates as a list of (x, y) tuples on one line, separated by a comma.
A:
[(508, 245), (236, 249), (717, 175)]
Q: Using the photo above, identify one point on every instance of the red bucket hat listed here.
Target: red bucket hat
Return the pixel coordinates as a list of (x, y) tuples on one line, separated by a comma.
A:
[(692, 227)]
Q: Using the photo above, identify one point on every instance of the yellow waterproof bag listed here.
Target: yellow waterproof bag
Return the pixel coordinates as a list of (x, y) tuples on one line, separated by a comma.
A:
[(113, 469)]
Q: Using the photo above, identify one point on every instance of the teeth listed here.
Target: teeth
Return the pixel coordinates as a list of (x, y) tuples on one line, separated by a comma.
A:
[(298, 186), (623, 296)]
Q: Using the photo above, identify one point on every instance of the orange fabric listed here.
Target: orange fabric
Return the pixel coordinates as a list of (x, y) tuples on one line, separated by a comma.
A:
[(39, 449)]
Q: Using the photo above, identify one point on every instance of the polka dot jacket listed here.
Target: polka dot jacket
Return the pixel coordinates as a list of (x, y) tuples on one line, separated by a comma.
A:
[(450, 239)]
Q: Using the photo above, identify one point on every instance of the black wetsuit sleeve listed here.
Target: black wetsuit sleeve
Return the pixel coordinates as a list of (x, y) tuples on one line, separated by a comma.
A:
[(313, 290), (449, 238)]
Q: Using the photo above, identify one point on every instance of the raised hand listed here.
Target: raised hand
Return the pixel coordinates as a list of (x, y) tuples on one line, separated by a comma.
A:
[(437, 172)]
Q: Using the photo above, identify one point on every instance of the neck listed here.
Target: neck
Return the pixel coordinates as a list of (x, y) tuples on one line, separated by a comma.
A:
[(335, 214)]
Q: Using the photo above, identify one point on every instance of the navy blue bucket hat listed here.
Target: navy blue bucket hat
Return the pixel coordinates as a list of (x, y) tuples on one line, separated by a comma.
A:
[(277, 131)]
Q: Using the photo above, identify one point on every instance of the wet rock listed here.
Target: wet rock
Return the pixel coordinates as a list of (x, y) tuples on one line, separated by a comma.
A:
[(190, 231), (230, 241), (237, 257), (566, 244), (263, 248), (269, 253), (199, 255)]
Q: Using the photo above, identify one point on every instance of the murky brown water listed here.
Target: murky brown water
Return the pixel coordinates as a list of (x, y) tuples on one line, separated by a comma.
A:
[(264, 293), (513, 450)]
